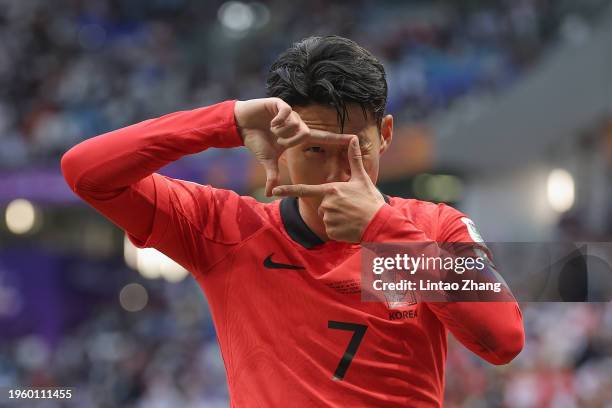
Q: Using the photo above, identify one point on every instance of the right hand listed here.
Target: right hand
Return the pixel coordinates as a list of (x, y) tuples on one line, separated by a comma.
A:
[(268, 126)]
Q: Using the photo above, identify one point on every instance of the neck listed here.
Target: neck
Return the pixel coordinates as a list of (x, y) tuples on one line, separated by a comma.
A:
[(313, 221)]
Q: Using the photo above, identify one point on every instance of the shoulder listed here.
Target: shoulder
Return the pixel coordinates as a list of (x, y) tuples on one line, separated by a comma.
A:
[(212, 208), (445, 223), (414, 207)]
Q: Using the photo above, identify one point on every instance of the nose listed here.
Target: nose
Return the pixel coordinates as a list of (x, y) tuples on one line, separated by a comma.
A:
[(339, 169)]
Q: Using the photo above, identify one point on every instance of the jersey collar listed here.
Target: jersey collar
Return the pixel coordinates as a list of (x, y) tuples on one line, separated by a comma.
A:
[(295, 225)]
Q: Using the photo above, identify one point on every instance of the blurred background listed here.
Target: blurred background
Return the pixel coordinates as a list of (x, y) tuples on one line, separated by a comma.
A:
[(502, 108)]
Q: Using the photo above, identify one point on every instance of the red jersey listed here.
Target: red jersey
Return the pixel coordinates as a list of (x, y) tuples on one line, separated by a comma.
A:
[(290, 332)]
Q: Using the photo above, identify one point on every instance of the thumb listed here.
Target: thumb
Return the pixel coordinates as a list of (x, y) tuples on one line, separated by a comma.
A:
[(272, 175), (355, 159)]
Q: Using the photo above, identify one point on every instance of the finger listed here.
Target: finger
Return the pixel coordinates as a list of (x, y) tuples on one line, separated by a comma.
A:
[(272, 175), (298, 136), (306, 134), (324, 137), (284, 110), (324, 207), (321, 212), (291, 126), (302, 190), (355, 159)]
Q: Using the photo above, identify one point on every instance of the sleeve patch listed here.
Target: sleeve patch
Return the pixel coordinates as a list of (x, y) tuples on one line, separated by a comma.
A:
[(472, 230)]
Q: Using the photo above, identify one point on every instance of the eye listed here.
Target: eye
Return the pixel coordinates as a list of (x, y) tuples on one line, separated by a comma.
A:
[(315, 149)]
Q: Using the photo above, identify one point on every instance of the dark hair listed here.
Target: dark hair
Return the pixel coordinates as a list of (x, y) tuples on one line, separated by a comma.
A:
[(333, 71)]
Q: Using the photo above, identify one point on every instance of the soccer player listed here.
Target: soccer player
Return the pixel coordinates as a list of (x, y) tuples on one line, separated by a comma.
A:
[(281, 278)]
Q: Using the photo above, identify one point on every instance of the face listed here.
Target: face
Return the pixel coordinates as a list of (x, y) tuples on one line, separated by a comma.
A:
[(311, 163)]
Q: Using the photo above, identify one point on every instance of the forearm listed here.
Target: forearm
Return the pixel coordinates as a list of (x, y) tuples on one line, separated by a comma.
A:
[(492, 330), (106, 164)]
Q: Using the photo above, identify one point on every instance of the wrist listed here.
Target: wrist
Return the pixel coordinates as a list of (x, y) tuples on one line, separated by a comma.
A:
[(238, 109)]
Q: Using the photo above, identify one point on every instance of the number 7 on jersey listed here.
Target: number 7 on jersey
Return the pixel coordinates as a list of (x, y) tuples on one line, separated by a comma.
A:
[(358, 333)]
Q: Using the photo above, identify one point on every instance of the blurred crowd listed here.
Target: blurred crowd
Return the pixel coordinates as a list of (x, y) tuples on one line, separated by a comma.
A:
[(71, 69), (566, 363), (163, 356)]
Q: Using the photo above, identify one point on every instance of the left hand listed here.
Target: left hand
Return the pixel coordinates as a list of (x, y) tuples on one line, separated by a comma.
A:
[(347, 207)]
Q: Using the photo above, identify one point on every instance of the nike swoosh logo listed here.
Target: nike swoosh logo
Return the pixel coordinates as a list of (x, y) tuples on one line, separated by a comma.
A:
[(269, 263)]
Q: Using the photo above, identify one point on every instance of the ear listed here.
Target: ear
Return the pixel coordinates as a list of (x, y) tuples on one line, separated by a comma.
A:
[(386, 133)]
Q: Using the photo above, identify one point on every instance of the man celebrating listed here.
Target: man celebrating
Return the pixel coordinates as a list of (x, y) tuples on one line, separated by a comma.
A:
[(281, 278)]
